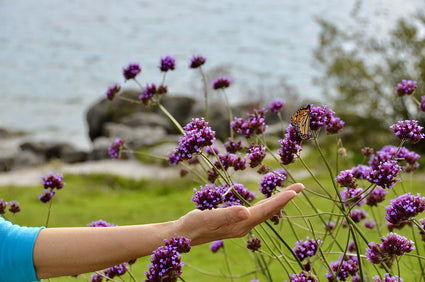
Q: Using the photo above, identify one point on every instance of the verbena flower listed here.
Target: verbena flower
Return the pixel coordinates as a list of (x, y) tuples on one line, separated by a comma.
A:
[(197, 61), (361, 171), (147, 93), (270, 181), (377, 196), (14, 207), (367, 152), (227, 161), (180, 243), (319, 116), (230, 199), (255, 124), (276, 105), (100, 223), (233, 146), (221, 83), (208, 197), (116, 270), (404, 207), (112, 91), (334, 125), (303, 276), (167, 63), (387, 278), (343, 268), (96, 277), (53, 181), (131, 71), (305, 249), (211, 150), (197, 134), (406, 87), (329, 225), (166, 265), (385, 174), (256, 154), (354, 194), (287, 151), (3, 206), (292, 134), (216, 245), (346, 179), (422, 222), (253, 243), (391, 246), (369, 223), (47, 196), (115, 148), (358, 215), (408, 130), (390, 152)]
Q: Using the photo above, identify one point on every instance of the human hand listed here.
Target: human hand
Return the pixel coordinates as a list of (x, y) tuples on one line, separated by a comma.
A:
[(232, 222)]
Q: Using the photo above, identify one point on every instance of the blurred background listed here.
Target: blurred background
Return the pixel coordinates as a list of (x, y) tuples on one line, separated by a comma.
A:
[(57, 58)]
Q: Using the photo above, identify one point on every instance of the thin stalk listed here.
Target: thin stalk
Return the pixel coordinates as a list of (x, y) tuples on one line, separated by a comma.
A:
[(417, 249), (49, 207), (205, 92), (172, 119), (229, 268)]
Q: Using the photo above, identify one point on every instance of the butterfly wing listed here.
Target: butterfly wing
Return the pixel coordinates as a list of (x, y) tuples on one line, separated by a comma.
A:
[(301, 120)]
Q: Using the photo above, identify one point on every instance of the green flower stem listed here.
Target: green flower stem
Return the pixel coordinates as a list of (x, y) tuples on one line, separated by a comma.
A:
[(163, 78), (229, 268), (265, 268), (204, 80), (356, 243), (201, 178), (181, 278), (229, 110), (49, 207), (225, 177), (415, 221), (325, 161), (138, 83), (129, 100), (172, 119)]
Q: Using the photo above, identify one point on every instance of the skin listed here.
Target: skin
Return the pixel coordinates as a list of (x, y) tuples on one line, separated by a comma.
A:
[(76, 250)]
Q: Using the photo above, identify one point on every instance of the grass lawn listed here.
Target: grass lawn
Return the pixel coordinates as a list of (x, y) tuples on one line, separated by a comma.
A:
[(87, 198)]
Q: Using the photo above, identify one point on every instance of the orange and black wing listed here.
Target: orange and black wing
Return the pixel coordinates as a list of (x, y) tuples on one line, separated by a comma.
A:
[(301, 120)]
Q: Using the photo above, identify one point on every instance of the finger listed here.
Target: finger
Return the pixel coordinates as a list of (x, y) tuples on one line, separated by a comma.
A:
[(230, 215)]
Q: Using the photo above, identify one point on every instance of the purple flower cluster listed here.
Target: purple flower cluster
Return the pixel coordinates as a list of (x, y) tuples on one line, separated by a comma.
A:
[(131, 71), (289, 146), (255, 124), (216, 245), (221, 83), (303, 276), (208, 197), (306, 249), (404, 207), (343, 268), (232, 146), (352, 196), (334, 125), (196, 136), (147, 93), (3, 206), (391, 246), (116, 270), (422, 104), (385, 174), (230, 199), (377, 196), (179, 243), (112, 91), (346, 179), (51, 182), (100, 223), (406, 87), (358, 215), (387, 278), (270, 181), (276, 105), (14, 207), (390, 152), (408, 130), (115, 148), (166, 265), (231, 160), (256, 154), (253, 243), (369, 223), (361, 171), (197, 61), (167, 63)]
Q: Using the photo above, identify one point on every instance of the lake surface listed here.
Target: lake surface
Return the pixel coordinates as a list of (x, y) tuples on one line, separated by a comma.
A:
[(58, 57)]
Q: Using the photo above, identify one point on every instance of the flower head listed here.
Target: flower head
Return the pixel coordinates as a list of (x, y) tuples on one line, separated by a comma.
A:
[(406, 87), (343, 268), (180, 243), (256, 154), (334, 125), (167, 63), (346, 179), (221, 83), (303, 276), (276, 105), (255, 124), (208, 197), (404, 207), (422, 104), (115, 148), (53, 181), (287, 151), (197, 61), (112, 91), (408, 130), (319, 116), (270, 181), (166, 265), (352, 196), (387, 278), (233, 146), (100, 223), (376, 196), (131, 71), (385, 174), (14, 207), (253, 244), (216, 245), (148, 93), (230, 199), (116, 270), (305, 249), (47, 196), (3, 206)]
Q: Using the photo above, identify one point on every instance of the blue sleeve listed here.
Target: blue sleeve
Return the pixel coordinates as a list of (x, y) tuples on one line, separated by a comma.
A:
[(16, 252)]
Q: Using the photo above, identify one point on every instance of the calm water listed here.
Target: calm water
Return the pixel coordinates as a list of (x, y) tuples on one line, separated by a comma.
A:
[(58, 57)]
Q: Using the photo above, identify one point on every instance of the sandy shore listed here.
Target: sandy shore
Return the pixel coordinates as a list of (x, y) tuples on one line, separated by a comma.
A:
[(129, 168)]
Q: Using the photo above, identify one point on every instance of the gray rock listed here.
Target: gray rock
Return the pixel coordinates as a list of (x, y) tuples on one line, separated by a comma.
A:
[(136, 137)]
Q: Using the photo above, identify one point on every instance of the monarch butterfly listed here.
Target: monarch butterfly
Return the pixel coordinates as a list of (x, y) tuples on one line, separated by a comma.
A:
[(301, 120)]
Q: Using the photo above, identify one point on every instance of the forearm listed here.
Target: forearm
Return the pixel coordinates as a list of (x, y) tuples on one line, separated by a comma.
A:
[(70, 251)]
